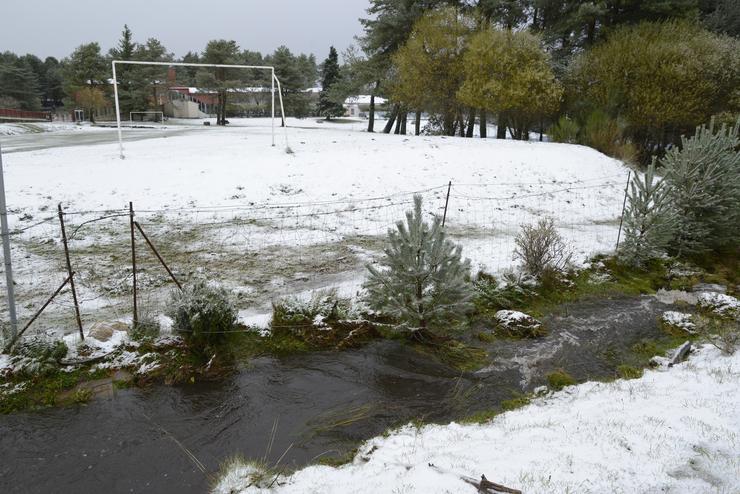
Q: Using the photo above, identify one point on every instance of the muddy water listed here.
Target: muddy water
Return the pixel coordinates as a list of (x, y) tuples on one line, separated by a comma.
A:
[(319, 404)]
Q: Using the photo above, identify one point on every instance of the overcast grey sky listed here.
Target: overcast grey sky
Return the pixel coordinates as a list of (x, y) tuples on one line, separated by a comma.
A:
[(56, 27)]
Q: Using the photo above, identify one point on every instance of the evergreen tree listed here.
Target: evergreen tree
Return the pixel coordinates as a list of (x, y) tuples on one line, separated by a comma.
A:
[(86, 69), (703, 180), (327, 107), (220, 52), (292, 81), (125, 51), (649, 220), (19, 84), (425, 282)]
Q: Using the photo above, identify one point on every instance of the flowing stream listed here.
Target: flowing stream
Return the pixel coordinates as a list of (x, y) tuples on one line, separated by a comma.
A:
[(173, 439)]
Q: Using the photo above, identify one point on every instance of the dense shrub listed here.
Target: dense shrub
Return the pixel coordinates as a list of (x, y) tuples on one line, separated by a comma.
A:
[(541, 248), (423, 282), (663, 79), (203, 313)]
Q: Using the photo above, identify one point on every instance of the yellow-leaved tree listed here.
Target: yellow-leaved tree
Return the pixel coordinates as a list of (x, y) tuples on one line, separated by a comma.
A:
[(508, 73)]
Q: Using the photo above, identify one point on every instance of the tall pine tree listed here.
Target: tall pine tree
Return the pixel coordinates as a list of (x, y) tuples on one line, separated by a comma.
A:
[(329, 108)]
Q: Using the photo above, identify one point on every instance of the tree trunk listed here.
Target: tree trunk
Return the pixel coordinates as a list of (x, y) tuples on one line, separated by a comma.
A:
[(371, 119), (389, 125), (461, 118), (542, 130), (483, 125), (399, 120), (417, 123), (471, 123), (403, 123), (501, 127)]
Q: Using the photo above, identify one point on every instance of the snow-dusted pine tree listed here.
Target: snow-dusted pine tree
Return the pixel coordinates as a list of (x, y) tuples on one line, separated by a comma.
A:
[(703, 180), (649, 220), (424, 284)]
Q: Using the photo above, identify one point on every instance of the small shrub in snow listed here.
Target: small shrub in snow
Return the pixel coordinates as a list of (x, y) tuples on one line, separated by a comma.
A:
[(723, 334), (40, 355), (649, 220), (202, 313), (423, 282), (629, 372), (324, 305), (540, 248)]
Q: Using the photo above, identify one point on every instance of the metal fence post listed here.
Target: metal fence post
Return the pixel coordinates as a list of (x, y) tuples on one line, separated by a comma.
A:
[(624, 204), (447, 201), (6, 254), (70, 273), (133, 260)]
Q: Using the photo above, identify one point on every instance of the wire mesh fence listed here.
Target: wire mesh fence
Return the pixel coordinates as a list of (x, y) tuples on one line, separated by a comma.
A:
[(265, 251)]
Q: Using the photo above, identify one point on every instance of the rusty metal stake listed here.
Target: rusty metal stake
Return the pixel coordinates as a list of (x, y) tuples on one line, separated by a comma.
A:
[(447, 201), (151, 246), (133, 260), (624, 204), (38, 313), (70, 273)]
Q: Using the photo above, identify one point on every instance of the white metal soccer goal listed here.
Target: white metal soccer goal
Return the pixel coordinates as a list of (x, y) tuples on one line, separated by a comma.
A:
[(273, 81)]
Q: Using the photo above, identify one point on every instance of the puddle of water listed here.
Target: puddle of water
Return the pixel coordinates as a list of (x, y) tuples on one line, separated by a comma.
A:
[(321, 404)]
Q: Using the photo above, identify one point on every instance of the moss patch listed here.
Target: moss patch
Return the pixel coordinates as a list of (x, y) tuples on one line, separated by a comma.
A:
[(559, 379)]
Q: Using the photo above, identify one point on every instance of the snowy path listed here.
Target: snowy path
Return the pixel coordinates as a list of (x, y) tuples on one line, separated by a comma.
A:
[(674, 430)]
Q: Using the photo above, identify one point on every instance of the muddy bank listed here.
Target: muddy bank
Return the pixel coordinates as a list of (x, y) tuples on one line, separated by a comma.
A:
[(321, 405)]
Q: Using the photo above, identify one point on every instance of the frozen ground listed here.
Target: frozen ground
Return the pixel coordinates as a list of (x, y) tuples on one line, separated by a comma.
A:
[(222, 204), (673, 430)]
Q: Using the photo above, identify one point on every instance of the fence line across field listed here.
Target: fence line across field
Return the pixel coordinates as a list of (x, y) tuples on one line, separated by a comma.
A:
[(303, 237)]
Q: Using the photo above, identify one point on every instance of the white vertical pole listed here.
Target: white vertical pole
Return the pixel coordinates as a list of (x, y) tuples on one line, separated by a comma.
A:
[(6, 254), (118, 110), (273, 105)]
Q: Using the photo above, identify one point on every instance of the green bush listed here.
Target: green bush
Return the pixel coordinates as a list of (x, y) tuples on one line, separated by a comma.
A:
[(565, 130), (204, 314)]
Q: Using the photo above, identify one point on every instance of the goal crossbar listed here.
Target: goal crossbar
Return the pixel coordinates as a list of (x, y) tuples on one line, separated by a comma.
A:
[(273, 80)]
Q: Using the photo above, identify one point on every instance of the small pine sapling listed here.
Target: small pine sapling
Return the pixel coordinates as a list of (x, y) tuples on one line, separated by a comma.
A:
[(425, 283), (649, 219)]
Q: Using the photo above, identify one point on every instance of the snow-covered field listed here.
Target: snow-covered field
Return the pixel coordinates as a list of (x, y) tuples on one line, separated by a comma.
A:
[(673, 430), (221, 203)]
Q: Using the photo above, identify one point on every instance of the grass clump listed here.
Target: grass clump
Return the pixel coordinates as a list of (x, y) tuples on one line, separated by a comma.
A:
[(628, 372), (559, 379), (147, 328), (455, 354), (515, 403)]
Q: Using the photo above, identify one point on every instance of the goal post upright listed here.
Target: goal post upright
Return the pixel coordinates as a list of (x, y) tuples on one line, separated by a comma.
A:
[(273, 78)]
